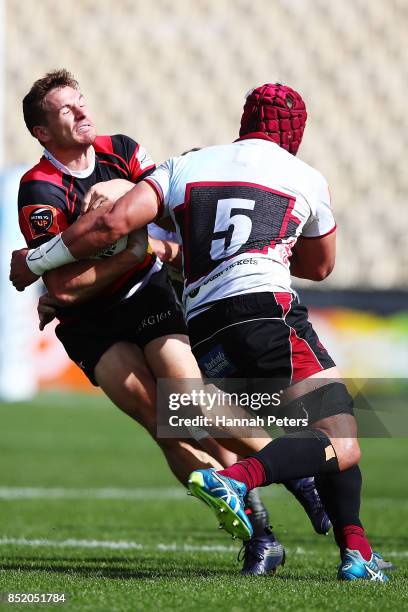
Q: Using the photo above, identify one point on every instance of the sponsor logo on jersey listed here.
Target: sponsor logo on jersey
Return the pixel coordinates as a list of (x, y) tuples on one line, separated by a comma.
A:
[(41, 219), (240, 262)]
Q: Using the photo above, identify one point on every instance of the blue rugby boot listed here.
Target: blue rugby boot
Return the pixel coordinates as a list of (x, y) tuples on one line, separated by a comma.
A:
[(226, 497), (262, 555), (355, 567), (305, 491)]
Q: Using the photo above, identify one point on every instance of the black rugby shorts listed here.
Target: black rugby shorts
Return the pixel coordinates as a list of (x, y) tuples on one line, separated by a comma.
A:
[(150, 313), (258, 335)]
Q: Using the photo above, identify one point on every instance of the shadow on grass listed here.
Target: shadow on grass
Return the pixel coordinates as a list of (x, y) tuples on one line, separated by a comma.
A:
[(97, 568), (144, 569)]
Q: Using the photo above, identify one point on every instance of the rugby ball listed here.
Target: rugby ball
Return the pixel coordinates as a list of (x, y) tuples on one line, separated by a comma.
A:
[(112, 249)]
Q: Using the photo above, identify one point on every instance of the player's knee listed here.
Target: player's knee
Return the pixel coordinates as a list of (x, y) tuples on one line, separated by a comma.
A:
[(141, 393), (355, 454), (339, 425), (347, 451)]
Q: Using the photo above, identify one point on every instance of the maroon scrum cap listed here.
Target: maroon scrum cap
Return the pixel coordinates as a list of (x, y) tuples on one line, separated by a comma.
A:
[(276, 111)]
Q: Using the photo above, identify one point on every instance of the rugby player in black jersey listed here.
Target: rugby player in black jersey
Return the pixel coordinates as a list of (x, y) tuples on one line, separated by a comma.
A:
[(118, 317)]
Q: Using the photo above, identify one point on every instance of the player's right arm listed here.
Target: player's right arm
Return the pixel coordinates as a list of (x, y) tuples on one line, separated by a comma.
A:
[(313, 256), (100, 194)]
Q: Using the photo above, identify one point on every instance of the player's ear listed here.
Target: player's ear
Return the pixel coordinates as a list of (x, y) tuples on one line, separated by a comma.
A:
[(41, 133)]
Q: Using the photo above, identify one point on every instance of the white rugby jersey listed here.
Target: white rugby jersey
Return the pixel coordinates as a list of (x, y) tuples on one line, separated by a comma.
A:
[(239, 209)]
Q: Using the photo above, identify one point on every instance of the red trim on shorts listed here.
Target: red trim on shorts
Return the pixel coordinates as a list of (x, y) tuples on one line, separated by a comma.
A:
[(284, 299), (304, 362)]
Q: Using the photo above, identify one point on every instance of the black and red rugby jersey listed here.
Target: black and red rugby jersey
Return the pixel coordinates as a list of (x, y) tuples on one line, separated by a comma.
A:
[(50, 200)]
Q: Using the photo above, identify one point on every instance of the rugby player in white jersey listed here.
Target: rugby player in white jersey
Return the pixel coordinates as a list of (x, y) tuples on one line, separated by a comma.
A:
[(250, 214), (145, 337)]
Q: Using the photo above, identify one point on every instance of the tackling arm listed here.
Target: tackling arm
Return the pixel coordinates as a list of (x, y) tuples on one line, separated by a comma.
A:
[(101, 192), (96, 230), (88, 235)]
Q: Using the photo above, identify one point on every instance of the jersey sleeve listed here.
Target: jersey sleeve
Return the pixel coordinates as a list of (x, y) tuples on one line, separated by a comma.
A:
[(321, 222), (161, 234), (160, 180), (43, 211), (139, 160)]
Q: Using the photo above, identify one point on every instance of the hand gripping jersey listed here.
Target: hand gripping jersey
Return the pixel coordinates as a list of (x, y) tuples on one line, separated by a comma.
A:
[(239, 209), (49, 200)]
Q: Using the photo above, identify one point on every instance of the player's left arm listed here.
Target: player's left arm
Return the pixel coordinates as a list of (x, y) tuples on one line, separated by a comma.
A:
[(81, 281), (168, 252), (314, 258)]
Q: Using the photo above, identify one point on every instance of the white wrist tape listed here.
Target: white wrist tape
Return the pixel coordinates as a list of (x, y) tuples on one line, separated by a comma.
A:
[(52, 254)]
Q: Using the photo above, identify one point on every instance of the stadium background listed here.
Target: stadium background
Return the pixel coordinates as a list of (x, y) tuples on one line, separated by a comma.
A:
[(173, 75), (80, 512)]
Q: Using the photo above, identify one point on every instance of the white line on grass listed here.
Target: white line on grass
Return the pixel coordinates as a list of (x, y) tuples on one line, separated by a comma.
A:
[(113, 545), (159, 493), (148, 493), (104, 493), (161, 547)]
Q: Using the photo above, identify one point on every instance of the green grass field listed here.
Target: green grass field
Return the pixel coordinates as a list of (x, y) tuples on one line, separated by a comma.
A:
[(89, 509)]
